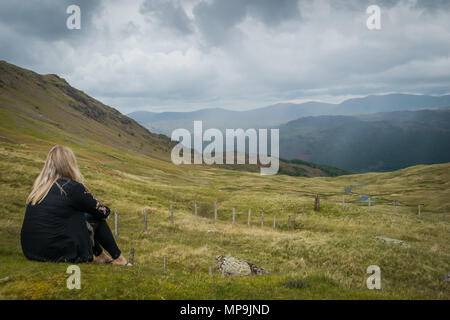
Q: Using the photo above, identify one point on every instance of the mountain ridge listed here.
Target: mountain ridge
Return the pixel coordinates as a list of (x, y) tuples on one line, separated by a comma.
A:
[(383, 141), (280, 113)]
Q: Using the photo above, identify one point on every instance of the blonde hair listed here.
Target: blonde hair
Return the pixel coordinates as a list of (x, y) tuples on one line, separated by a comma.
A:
[(60, 163)]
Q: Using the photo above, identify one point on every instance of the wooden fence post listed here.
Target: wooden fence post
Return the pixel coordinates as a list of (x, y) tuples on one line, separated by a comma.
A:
[(171, 214), (131, 260), (165, 265), (249, 215), (215, 212), (145, 219), (195, 210), (419, 211), (234, 214), (317, 203), (289, 221), (274, 221), (116, 224), (262, 219), (343, 203)]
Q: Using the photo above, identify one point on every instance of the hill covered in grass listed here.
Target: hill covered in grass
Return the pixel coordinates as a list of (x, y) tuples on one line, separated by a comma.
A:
[(329, 250), (46, 106)]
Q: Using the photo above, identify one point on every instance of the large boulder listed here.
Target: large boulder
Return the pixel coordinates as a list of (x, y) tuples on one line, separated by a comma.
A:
[(232, 267)]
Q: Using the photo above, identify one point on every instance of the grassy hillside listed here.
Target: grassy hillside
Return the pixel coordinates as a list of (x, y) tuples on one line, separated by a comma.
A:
[(295, 163), (324, 254), (37, 104), (328, 251), (295, 168)]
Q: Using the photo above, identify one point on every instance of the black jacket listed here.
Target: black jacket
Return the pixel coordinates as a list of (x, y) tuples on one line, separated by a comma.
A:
[(55, 229)]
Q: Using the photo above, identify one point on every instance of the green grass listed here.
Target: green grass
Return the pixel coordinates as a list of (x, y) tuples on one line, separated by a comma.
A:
[(328, 250)]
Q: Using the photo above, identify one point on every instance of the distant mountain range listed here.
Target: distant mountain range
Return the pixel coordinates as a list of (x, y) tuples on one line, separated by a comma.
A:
[(374, 133), (277, 114), (377, 142)]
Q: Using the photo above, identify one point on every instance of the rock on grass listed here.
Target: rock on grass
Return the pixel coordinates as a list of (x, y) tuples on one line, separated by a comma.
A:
[(233, 267), (391, 241)]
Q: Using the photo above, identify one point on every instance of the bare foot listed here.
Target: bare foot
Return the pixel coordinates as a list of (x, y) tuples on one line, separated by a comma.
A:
[(103, 258), (121, 261)]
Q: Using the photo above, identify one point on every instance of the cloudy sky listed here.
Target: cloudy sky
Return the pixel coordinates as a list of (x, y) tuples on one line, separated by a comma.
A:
[(182, 55)]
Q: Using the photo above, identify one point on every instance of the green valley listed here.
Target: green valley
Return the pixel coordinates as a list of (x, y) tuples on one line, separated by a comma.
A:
[(128, 169)]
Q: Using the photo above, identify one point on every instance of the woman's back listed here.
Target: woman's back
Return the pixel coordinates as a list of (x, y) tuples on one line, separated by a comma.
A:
[(55, 229)]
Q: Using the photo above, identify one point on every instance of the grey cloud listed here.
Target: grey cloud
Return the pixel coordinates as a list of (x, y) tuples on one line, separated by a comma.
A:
[(359, 5), (46, 19), (20, 52), (183, 61), (433, 6), (273, 13), (30, 29), (169, 14), (216, 20)]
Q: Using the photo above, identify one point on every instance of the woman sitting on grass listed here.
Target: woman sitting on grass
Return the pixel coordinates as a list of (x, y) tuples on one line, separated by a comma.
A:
[(63, 221)]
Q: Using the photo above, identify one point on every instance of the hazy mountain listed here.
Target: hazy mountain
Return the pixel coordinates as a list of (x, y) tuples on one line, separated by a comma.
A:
[(275, 115), (391, 102), (378, 142)]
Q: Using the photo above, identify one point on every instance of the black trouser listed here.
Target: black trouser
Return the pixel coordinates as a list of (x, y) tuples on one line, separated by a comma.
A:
[(103, 237)]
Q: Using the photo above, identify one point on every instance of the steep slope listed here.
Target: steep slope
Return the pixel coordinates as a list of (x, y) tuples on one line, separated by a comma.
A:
[(33, 101), (378, 142)]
